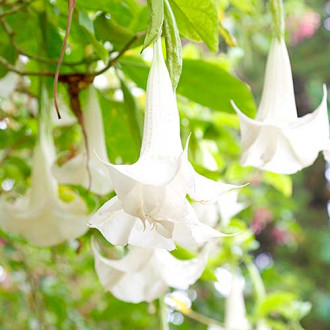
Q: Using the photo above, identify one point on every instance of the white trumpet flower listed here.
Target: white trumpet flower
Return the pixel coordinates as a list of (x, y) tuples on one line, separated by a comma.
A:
[(75, 170), (146, 274), (277, 140), (225, 208), (40, 216), (151, 208), (235, 314)]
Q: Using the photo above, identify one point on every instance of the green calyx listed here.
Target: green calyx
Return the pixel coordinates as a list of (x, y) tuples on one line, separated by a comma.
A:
[(276, 7)]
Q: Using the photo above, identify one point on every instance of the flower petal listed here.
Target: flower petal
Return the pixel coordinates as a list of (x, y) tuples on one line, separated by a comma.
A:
[(161, 134), (277, 105), (179, 274)]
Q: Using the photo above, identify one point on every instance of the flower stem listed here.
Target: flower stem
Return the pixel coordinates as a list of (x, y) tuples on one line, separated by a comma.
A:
[(162, 310), (276, 7), (259, 287)]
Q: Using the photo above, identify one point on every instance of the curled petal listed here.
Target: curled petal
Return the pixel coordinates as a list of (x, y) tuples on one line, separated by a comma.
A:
[(50, 223), (145, 274)]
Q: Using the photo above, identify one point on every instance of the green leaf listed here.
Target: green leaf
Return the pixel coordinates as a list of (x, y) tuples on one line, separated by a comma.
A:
[(202, 82), (208, 274), (198, 20), (119, 137), (282, 183), (183, 254), (275, 302), (122, 11), (108, 30), (173, 46), (88, 29), (211, 86), (155, 21), (134, 115)]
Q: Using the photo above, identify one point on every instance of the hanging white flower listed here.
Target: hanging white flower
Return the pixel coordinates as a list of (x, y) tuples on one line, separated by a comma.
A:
[(151, 208), (75, 171), (8, 84), (145, 274), (225, 208), (277, 140), (235, 314), (40, 216)]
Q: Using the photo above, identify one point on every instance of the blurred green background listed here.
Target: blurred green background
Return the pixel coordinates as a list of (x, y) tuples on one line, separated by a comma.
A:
[(287, 230)]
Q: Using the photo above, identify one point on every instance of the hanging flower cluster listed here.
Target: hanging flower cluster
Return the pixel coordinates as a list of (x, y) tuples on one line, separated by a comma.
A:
[(151, 208), (75, 171), (41, 216)]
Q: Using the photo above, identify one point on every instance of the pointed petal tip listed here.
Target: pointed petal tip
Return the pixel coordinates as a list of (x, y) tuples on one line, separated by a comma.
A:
[(100, 159)]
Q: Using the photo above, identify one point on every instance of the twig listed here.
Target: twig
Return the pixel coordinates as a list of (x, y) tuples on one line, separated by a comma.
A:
[(120, 54), (63, 76), (14, 10), (162, 313), (13, 68), (72, 4), (202, 319)]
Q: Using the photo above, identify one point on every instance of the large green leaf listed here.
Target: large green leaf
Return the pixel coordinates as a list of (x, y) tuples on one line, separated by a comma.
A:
[(209, 85), (155, 21), (198, 20), (122, 11), (108, 30), (202, 82), (173, 46)]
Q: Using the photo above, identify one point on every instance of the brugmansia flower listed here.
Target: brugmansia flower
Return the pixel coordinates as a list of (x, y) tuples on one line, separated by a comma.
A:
[(145, 274), (277, 140), (75, 170), (235, 314), (151, 208), (41, 216)]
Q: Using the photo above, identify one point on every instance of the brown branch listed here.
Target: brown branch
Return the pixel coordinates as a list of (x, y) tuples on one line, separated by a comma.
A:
[(13, 68), (76, 84)]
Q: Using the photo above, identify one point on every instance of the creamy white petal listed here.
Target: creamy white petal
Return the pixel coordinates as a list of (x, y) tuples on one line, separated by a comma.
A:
[(146, 274), (75, 171), (235, 314), (208, 213), (180, 274), (225, 208), (162, 123), (120, 228), (206, 190), (277, 104)]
